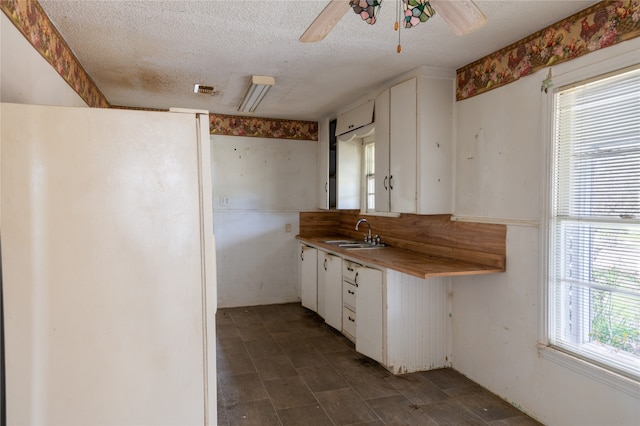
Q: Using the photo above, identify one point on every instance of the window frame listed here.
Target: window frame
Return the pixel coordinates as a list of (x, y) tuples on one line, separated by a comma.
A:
[(367, 141), (573, 75)]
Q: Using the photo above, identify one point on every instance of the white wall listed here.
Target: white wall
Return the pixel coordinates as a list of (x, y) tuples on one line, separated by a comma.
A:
[(499, 174), (267, 182), (26, 77)]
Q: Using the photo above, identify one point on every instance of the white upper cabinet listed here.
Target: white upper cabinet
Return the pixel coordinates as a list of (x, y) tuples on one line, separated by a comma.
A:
[(435, 145), (413, 148), (402, 147), (322, 179), (396, 127), (414, 134), (355, 118), (382, 152)]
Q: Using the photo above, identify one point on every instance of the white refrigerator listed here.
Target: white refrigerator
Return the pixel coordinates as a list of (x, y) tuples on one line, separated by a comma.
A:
[(108, 266)]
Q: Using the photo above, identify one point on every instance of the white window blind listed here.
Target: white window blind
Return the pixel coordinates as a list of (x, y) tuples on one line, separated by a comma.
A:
[(370, 174), (595, 225)]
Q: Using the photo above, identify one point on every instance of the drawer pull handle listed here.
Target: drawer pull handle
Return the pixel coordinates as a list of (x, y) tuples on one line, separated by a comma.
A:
[(325, 264), (349, 268), (351, 319), (356, 280), (351, 292), (302, 255)]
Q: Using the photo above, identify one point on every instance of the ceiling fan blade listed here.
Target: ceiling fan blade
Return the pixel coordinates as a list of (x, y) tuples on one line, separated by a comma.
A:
[(325, 21), (463, 16)]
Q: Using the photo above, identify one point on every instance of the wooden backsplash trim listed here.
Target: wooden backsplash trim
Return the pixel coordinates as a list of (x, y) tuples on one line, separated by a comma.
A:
[(319, 223), (432, 235)]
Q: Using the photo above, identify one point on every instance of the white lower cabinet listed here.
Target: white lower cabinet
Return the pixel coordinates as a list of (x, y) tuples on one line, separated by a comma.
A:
[(363, 309), (417, 325), (349, 323), (308, 270), (370, 310), (330, 288), (399, 320)]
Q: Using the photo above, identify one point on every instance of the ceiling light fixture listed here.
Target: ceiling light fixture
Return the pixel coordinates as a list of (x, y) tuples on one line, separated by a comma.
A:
[(258, 87)]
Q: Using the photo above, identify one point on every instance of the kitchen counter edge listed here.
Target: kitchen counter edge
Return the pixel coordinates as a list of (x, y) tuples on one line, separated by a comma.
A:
[(412, 263)]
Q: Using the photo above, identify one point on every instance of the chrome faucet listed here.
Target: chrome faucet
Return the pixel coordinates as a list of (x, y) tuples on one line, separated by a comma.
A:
[(367, 237)]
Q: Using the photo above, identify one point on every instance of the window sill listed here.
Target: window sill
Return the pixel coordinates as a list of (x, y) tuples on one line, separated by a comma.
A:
[(608, 377), (381, 214)]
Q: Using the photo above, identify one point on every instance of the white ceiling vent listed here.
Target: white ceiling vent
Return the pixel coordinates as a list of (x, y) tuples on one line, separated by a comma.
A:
[(204, 90)]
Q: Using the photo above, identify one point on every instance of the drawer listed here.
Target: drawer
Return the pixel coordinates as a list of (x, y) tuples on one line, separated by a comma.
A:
[(349, 321), (349, 294), (349, 270)]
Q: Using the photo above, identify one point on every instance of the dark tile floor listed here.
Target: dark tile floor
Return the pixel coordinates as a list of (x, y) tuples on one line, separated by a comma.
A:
[(282, 365)]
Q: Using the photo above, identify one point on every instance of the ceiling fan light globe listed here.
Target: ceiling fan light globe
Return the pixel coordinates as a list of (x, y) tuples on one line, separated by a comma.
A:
[(416, 11), (367, 9)]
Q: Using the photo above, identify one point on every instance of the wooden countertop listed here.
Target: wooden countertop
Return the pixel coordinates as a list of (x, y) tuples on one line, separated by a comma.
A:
[(405, 261)]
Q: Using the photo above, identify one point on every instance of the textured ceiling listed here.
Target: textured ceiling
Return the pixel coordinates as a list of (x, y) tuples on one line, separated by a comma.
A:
[(150, 53)]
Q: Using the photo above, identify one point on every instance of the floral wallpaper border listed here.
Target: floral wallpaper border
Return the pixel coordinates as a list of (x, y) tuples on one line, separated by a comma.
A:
[(232, 125), (599, 26), (34, 24)]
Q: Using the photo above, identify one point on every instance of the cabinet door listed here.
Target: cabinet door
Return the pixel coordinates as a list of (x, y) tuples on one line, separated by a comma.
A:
[(403, 147), (435, 135), (332, 266), (355, 118), (308, 277), (369, 311), (382, 152), (322, 180), (322, 279)]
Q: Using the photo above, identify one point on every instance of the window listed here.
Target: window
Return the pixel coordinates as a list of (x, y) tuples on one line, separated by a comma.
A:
[(594, 228), (370, 174)]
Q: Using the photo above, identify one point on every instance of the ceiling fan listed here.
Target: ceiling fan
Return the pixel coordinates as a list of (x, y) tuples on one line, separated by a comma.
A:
[(463, 16)]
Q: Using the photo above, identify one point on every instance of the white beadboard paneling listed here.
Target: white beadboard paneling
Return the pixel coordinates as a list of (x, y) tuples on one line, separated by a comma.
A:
[(417, 323)]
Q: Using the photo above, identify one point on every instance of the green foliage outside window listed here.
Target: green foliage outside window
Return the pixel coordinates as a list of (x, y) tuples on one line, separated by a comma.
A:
[(615, 319)]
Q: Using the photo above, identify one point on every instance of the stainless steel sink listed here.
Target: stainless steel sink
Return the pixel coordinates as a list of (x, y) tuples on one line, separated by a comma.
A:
[(360, 245), (338, 242)]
